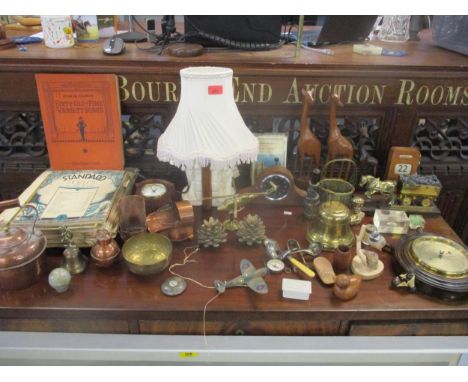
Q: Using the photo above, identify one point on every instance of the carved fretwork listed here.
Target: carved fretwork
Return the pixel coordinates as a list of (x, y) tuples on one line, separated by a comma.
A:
[(140, 134), (442, 139), (21, 135)]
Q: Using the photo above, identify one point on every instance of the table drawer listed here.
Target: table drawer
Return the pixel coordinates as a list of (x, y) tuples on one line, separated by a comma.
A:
[(65, 325), (409, 328), (243, 327)]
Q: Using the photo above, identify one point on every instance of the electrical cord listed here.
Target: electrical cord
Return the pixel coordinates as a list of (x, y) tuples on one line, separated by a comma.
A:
[(160, 40)]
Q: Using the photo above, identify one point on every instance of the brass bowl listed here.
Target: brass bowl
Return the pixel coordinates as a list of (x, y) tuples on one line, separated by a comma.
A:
[(147, 253)]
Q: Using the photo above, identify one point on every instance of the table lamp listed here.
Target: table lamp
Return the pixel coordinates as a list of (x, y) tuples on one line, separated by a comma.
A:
[(207, 133)]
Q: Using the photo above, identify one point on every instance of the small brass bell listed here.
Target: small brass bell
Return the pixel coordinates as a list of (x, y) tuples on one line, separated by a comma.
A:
[(74, 261), (332, 227)]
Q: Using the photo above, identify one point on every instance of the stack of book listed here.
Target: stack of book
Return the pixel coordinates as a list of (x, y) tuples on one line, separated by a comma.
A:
[(84, 201)]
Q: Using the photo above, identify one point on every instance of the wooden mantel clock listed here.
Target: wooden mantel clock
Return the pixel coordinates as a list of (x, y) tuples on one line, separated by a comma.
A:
[(286, 192), (157, 192)]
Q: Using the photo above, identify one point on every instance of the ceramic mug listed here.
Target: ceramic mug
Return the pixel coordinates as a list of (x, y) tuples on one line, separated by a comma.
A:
[(57, 31)]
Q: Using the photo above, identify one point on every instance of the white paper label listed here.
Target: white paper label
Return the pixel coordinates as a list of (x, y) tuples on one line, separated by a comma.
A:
[(403, 169)]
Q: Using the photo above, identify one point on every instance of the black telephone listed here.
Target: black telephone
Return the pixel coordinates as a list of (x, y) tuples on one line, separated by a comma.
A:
[(238, 32)]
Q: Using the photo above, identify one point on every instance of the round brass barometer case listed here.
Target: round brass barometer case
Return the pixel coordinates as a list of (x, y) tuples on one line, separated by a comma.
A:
[(441, 256), (436, 260)]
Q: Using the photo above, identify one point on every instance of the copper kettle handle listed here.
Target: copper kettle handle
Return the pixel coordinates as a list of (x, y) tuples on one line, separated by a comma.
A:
[(11, 203)]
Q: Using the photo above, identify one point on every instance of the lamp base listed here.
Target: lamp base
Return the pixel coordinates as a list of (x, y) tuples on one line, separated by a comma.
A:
[(206, 188)]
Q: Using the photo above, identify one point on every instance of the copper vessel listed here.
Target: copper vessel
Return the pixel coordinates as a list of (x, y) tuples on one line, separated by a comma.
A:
[(21, 252), (106, 251), (174, 220)]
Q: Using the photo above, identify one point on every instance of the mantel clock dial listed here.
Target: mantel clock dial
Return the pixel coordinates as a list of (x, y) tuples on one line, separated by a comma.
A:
[(157, 192)]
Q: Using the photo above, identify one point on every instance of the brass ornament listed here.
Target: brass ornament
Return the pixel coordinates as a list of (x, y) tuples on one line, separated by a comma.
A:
[(251, 230), (332, 228), (212, 233)]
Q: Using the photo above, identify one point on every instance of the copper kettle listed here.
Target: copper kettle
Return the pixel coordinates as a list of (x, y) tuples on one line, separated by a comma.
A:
[(21, 252)]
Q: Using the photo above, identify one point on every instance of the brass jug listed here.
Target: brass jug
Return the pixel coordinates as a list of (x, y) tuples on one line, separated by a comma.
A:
[(332, 228)]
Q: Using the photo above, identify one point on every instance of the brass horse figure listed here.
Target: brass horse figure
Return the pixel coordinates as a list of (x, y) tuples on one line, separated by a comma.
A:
[(308, 144), (374, 185), (338, 145)]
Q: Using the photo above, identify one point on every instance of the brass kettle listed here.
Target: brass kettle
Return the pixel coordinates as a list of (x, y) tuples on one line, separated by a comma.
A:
[(332, 227)]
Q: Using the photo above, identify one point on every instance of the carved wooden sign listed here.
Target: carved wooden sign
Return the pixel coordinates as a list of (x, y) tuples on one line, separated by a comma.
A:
[(284, 91), (376, 89)]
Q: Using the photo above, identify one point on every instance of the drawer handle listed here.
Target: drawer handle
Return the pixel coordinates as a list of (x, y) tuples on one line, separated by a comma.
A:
[(240, 332)]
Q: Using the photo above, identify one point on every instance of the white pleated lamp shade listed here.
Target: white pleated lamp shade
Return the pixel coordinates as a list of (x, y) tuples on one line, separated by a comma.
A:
[(207, 128)]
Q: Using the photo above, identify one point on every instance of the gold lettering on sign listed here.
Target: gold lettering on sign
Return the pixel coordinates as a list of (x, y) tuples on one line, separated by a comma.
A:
[(350, 94), (252, 92), (151, 88), (366, 93), (434, 100), (452, 95), (292, 93), (424, 94), (338, 89), (248, 93), (171, 88), (379, 93), (423, 91), (266, 92), (405, 91), (327, 89), (124, 93), (409, 93), (235, 83), (138, 91)]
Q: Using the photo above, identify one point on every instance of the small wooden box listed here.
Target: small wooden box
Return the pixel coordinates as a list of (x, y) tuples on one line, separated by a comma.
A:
[(402, 161)]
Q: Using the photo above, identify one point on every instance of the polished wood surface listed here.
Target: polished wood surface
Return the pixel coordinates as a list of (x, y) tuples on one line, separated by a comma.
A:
[(422, 55), (118, 296)]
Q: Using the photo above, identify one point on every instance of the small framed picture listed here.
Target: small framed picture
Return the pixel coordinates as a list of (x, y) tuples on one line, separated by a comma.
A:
[(273, 149)]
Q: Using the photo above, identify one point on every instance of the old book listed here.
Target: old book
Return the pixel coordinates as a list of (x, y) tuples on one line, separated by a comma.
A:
[(82, 124), (84, 201)]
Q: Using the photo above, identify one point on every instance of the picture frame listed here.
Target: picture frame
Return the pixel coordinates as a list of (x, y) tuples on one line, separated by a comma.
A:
[(273, 150)]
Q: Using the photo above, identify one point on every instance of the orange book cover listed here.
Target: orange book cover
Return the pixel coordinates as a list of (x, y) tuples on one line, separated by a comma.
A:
[(82, 124)]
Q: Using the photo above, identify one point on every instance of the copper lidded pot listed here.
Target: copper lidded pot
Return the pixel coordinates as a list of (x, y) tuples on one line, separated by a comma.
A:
[(21, 253), (106, 251)]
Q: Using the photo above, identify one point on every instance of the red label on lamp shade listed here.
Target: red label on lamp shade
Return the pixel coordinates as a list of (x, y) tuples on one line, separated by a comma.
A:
[(215, 89)]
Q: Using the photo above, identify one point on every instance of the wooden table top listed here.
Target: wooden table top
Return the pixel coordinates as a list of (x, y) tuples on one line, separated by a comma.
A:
[(421, 55), (117, 294)]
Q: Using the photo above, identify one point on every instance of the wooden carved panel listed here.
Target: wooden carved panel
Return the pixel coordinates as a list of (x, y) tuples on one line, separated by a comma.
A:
[(443, 142), (21, 135), (442, 138)]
